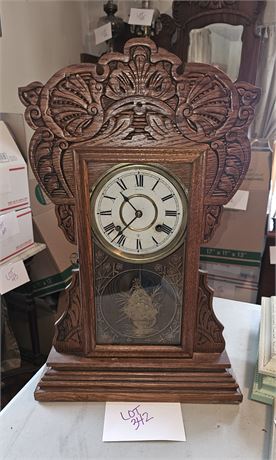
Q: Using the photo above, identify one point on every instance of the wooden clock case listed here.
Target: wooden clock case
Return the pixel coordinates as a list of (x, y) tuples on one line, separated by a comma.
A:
[(139, 107)]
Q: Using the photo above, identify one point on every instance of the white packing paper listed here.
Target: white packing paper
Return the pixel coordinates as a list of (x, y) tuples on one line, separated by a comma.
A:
[(239, 201)]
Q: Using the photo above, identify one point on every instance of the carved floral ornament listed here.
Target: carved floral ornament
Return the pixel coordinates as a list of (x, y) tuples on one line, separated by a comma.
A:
[(139, 98)]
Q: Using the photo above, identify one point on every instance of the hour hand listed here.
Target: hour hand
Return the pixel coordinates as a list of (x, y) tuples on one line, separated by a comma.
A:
[(128, 201), (122, 229)]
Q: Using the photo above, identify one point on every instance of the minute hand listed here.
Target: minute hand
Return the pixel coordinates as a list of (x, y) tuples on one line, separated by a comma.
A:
[(128, 201), (121, 231)]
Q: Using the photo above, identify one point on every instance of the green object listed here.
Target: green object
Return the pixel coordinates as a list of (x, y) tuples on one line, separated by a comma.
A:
[(230, 256), (39, 195), (264, 388), (52, 284)]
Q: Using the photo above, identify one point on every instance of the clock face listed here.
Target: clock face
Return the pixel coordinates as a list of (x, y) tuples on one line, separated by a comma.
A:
[(139, 212)]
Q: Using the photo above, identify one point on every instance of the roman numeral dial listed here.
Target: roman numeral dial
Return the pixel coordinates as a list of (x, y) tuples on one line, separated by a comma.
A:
[(139, 180), (109, 228), (139, 212)]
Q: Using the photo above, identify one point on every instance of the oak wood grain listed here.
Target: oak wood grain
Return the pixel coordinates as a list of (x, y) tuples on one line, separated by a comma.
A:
[(139, 107)]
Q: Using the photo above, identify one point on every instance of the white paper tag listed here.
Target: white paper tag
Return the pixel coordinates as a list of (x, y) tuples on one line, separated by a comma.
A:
[(134, 421), (8, 226), (103, 33), (140, 16), (272, 252), (239, 201), (12, 276)]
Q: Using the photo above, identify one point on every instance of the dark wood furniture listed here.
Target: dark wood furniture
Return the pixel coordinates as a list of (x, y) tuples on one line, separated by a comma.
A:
[(164, 39), (20, 303), (190, 15), (139, 107)]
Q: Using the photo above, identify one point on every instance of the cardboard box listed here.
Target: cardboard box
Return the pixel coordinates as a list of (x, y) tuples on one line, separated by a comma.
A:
[(229, 290), (239, 239), (233, 256), (50, 270), (230, 281), (16, 125), (14, 188), (16, 232)]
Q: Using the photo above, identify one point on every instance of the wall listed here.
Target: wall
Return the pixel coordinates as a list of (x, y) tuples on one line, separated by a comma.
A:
[(269, 15), (38, 38)]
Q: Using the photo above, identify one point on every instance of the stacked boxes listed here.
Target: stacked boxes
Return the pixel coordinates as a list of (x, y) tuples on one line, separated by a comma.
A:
[(233, 256), (16, 230), (51, 269)]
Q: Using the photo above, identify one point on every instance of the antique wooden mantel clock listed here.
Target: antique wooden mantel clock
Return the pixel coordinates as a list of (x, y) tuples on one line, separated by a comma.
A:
[(139, 155)]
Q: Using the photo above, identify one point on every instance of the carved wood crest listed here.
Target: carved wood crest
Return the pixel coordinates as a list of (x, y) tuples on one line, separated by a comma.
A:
[(142, 97)]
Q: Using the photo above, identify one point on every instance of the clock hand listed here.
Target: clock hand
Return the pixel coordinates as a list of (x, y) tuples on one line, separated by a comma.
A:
[(126, 226), (128, 201)]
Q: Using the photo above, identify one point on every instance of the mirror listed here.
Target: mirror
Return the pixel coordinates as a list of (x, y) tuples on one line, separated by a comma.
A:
[(219, 45)]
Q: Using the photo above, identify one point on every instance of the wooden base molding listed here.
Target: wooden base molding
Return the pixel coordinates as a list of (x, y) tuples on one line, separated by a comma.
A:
[(167, 380)]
